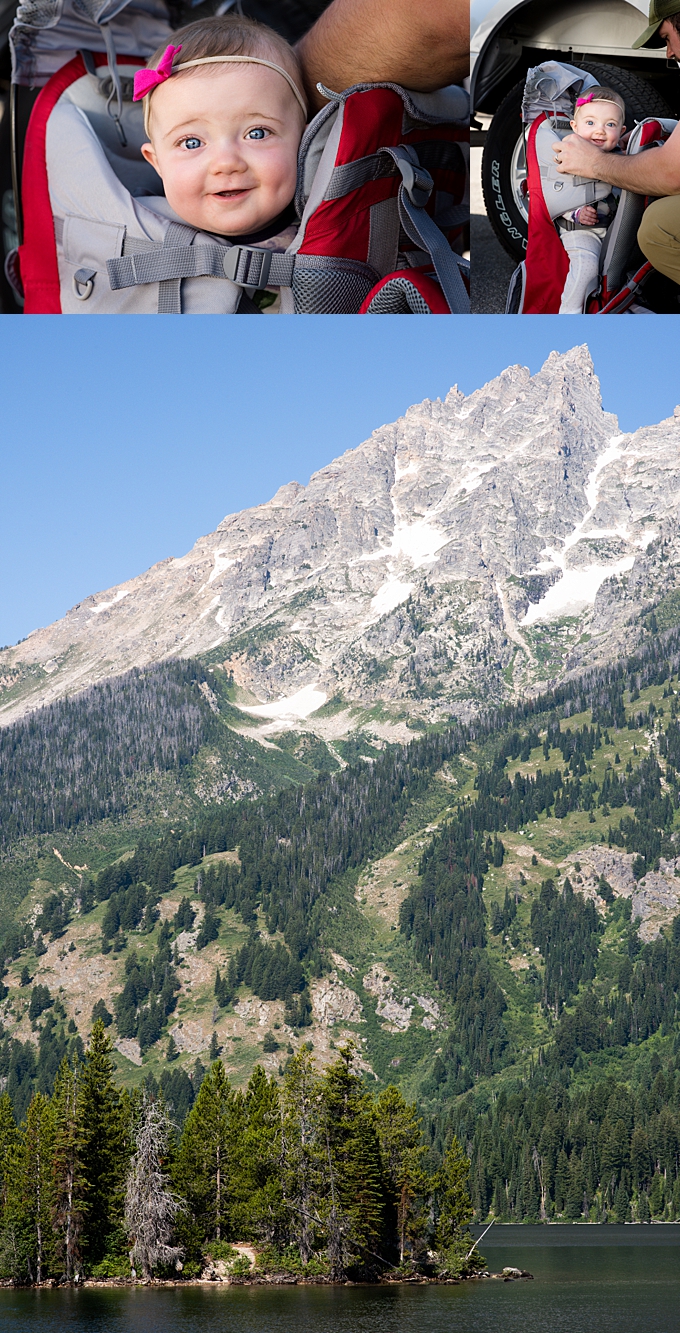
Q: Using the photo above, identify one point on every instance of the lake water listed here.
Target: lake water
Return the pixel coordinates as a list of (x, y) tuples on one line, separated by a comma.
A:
[(587, 1280)]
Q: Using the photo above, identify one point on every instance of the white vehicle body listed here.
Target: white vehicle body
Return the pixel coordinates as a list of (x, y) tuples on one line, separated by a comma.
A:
[(599, 29)]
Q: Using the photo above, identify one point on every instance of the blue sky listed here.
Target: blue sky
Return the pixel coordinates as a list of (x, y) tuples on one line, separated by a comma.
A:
[(123, 440)]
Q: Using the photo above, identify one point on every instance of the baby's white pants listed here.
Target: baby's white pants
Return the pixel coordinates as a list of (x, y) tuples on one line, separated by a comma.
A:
[(583, 248)]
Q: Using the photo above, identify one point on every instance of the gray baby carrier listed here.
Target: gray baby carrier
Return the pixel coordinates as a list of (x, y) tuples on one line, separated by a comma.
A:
[(550, 94), (381, 201)]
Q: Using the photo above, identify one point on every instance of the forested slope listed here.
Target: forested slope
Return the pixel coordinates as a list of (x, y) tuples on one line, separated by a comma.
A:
[(492, 915), (98, 755)]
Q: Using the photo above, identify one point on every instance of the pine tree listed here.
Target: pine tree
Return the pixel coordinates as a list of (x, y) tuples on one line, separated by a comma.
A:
[(455, 1211), (28, 1220), (103, 1129), (402, 1152), (561, 1180), (67, 1168), (150, 1206), (576, 1189), (622, 1204), (353, 1209), (303, 1153), (258, 1148), (656, 1195), (204, 1169), (222, 990), (8, 1142)]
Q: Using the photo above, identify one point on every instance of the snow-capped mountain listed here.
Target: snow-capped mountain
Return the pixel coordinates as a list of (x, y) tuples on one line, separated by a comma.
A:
[(477, 547)]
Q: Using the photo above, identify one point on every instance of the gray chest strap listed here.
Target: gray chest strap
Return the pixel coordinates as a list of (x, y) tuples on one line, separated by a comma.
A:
[(176, 259)]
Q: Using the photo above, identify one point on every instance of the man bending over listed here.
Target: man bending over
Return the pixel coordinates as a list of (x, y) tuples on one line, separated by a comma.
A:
[(655, 172)]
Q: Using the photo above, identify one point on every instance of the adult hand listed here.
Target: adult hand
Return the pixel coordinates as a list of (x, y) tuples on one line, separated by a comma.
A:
[(578, 157), (423, 47), (654, 172)]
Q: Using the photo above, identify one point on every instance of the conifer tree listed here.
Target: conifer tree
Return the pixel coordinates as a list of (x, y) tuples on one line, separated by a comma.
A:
[(455, 1212), (303, 1154), (259, 1160), (28, 1222), (8, 1141), (67, 1168), (406, 1183), (204, 1170), (104, 1143), (353, 1206)]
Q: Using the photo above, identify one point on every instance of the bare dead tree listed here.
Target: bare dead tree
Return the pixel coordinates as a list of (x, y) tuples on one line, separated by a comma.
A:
[(150, 1207)]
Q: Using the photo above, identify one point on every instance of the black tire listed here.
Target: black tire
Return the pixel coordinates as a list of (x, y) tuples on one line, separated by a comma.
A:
[(501, 163)]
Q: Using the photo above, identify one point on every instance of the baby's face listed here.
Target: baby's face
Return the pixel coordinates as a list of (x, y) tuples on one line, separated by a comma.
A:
[(601, 122), (224, 140)]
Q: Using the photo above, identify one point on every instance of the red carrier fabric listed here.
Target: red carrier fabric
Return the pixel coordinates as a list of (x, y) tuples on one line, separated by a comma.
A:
[(397, 188), (373, 120), (38, 252), (547, 262)]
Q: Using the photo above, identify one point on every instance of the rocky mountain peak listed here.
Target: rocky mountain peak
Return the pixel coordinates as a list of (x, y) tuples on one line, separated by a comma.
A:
[(479, 546)]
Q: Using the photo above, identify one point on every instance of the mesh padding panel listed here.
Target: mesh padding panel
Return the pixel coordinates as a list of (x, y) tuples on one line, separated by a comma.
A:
[(38, 13), (324, 285), (619, 243), (329, 291), (399, 297)]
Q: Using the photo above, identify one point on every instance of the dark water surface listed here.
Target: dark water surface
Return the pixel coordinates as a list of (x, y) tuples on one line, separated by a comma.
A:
[(587, 1280)]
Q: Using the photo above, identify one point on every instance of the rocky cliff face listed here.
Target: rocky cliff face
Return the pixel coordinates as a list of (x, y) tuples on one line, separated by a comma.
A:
[(475, 548)]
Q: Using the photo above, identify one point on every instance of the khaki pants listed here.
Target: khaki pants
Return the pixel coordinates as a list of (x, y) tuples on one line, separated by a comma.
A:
[(659, 236)]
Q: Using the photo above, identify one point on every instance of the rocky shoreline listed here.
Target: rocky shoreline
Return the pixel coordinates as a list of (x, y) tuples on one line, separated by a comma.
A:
[(277, 1280)]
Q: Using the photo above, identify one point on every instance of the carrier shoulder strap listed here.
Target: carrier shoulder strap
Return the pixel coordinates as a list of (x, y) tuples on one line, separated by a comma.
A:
[(414, 192)]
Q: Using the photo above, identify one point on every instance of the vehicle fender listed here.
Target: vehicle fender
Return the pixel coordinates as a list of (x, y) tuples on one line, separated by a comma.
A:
[(554, 25)]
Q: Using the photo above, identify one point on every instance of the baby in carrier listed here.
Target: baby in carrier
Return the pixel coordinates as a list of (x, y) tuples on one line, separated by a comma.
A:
[(257, 210), (224, 123), (598, 117)]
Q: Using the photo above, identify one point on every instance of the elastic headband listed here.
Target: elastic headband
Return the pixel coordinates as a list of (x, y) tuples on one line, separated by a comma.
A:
[(148, 79), (581, 101)]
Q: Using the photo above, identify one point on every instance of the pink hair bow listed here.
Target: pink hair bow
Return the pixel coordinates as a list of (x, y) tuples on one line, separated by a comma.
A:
[(147, 79), (580, 101)]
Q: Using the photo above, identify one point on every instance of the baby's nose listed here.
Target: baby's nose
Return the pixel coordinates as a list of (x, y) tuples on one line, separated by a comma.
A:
[(226, 157)]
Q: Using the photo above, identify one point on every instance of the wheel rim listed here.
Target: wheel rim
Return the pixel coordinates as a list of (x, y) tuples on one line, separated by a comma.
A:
[(518, 175)]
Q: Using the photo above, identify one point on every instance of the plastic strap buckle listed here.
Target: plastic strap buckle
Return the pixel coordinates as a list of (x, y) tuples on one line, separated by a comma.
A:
[(417, 182), (248, 266)]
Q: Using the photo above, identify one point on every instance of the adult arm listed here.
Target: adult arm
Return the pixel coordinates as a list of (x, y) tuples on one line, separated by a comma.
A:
[(423, 46), (656, 171)]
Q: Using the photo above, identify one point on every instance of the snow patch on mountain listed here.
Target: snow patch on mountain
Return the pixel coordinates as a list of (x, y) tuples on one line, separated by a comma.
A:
[(222, 563), (576, 590), (390, 595), (296, 706), (106, 606)]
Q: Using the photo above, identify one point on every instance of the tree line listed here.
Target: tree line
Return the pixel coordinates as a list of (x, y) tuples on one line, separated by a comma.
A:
[(319, 1175), (607, 1152)]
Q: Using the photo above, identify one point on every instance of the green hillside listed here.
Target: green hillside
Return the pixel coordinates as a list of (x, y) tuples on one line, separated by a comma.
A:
[(443, 904)]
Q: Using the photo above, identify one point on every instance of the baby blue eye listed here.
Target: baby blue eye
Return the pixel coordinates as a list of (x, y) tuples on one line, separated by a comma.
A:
[(255, 134), (192, 143)]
